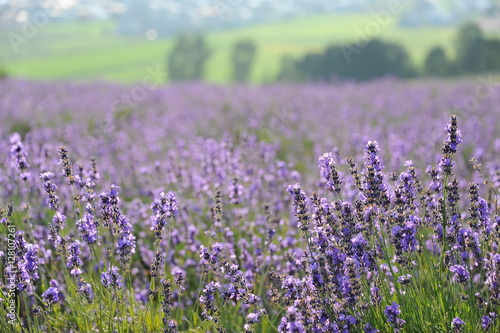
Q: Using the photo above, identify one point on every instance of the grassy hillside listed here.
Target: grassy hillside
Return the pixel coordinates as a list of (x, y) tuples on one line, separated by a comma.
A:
[(92, 50)]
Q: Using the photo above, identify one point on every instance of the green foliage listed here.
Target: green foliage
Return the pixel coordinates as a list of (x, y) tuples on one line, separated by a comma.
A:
[(374, 59), (21, 127), (186, 61), (89, 50), (436, 62), (242, 58), (475, 53)]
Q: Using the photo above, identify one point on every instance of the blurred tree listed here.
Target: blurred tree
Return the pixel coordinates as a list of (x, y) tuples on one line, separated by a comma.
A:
[(312, 65), (436, 62), (377, 58), (469, 45), (242, 57), (186, 61), (490, 54)]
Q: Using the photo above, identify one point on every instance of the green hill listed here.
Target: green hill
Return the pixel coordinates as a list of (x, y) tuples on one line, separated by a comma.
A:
[(92, 51)]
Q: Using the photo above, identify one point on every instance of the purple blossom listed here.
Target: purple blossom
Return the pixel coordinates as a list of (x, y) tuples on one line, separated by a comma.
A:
[(50, 188), (371, 156), (375, 296), (404, 279), (457, 324), (125, 244), (163, 208), (111, 278), (235, 192), (299, 205), (370, 329), (88, 228), (253, 317), (31, 262), (292, 323), (392, 312), (454, 137), (208, 300), (85, 288), (51, 296), (18, 155), (461, 274), (109, 206), (73, 261), (405, 237), (484, 215), (488, 321), (326, 164)]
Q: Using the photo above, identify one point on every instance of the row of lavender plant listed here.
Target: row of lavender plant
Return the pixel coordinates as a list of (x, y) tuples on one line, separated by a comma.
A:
[(147, 228), (396, 255)]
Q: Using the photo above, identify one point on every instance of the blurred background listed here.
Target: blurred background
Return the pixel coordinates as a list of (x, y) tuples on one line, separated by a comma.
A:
[(254, 41)]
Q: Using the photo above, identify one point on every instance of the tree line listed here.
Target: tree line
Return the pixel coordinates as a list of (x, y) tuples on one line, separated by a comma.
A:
[(374, 58), (474, 52)]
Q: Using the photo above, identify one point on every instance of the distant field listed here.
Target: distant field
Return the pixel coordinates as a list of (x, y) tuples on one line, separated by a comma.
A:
[(92, 51)]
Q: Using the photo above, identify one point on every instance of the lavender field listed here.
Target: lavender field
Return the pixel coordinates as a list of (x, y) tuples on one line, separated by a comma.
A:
[(353, 207)]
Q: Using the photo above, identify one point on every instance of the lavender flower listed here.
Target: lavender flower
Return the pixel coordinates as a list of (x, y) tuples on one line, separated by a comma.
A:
[(404, 279), (235, 192), (170, 326), (50, 188), (85, 288), (125, 244), (164, 208), (67, 167), (492, 265), (55, 227), (51, 296), (450, 146), (457, 324), (330, 173), (292, 322), (454, 136), (488, 321), (405, 237), (31, 262), (374, 189), (461, 274), (18, 155), (299, 204), (73, 261), (88, 228), (111, 278), (375, 297), (109, 206), (208, 300), (392, 312), (370, 329)]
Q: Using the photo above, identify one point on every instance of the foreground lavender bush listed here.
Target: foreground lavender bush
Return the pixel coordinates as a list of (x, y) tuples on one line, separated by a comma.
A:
[(196, 234)]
